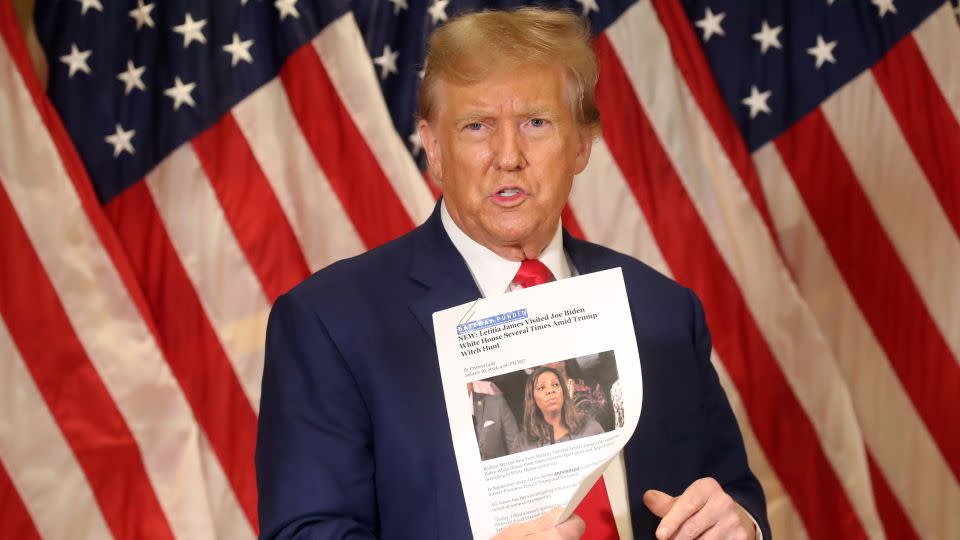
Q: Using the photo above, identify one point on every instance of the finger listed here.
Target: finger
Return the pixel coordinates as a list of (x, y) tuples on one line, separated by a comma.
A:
[(540, 524), (534, 526), (572, 528), (510, 532), (719, 512), (728, 527), (549, 519), (731, 525), (685, 506), (658, 502), (714, 533)]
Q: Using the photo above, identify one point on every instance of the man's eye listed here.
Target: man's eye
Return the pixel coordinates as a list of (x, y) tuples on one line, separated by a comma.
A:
[(474, 126), (538, 122)]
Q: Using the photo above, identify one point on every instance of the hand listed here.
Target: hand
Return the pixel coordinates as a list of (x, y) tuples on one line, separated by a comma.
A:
[(542, 528), (704, 511)]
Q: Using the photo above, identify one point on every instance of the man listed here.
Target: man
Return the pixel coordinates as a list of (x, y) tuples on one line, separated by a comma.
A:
[(496, 427), (354, 440)]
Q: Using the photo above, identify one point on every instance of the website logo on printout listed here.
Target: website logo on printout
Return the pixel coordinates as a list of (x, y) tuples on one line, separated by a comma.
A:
[(493, 320)]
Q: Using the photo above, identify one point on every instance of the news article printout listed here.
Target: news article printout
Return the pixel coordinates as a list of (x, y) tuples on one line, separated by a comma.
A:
[(543, 389)]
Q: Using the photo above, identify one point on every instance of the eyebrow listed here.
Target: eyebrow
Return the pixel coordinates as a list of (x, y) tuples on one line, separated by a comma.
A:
[(532, 112), (473, 116), (538, 111)]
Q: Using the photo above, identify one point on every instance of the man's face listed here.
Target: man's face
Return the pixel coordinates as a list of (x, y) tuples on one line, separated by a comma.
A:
[(505, 150)]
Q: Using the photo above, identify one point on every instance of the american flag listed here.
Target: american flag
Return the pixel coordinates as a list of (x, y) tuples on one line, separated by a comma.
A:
[(796, 163)]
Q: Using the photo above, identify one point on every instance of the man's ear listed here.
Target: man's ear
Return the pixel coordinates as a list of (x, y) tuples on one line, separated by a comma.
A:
[(584, 147), (431, 147)]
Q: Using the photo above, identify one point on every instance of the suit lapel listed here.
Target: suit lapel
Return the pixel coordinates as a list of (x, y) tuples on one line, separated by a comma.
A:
[(440, 269)]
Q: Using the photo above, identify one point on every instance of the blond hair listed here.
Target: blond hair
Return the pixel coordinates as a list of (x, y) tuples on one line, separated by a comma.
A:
[(470, 47)]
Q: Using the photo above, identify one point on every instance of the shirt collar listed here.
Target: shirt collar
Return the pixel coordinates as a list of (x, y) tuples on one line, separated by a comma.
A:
[(492, 272)]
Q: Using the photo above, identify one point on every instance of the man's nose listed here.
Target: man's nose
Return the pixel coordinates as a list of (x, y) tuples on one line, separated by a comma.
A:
[(508, 147)]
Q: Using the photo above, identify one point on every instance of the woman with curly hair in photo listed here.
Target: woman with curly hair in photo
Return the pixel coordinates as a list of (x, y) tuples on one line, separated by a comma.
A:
[(549, 415)]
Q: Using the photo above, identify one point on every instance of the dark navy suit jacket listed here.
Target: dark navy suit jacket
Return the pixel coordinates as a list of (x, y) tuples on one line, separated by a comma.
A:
[(354, 440)]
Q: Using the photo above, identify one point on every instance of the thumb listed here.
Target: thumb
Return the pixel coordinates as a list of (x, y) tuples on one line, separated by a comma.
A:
[(572, 527), (658, 502), (549, 519)]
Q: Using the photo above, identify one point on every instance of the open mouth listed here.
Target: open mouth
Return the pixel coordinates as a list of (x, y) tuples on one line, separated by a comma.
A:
[(509, 196)]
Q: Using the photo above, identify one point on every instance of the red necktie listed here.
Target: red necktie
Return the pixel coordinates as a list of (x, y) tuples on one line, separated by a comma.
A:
[(532, 272), (595, 507), (597, 514)]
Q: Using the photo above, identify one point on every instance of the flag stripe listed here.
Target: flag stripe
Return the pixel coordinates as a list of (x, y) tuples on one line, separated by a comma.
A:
[(193, 352), (342, 152), (895, 521), (569, 221), (15, 522), (925, 118), (601, 190), (939, 40), (693, 65), (44, 480), (888, 299), (251, 208), (435, 191), (346, 62), (313, 210), (221, 504), (656, 186), (82, 406), (210, 254), (785, 521), (891, 426), (894, 185)]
